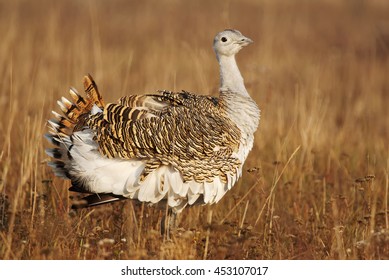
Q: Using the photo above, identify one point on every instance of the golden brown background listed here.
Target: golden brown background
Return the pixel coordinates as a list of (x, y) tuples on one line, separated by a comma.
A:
[(319, 70)]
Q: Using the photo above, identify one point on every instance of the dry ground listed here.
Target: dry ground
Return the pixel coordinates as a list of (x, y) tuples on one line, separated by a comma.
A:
[(319, 70)]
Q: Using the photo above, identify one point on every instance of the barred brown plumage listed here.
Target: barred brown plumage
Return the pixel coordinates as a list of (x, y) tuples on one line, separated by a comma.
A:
[(177, 147)]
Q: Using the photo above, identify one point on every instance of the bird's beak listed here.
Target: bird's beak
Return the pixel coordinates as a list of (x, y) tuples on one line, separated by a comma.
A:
[(244, 41)]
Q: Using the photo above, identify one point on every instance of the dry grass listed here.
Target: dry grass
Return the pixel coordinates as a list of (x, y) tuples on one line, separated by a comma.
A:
[(318, 69)]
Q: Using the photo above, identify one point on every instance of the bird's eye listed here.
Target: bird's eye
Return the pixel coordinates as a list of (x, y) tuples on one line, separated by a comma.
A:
[(224, 39)]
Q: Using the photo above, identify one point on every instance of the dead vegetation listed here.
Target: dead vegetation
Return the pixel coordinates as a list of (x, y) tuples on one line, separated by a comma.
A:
[(316, 183)]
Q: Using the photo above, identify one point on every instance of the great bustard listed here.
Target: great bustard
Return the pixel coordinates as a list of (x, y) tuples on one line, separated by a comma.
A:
[(176, 147)]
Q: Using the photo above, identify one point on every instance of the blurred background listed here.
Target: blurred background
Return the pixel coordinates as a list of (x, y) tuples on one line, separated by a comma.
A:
[(318, 181)]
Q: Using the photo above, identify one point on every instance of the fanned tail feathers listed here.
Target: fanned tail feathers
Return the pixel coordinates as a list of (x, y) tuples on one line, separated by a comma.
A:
[(73, 118)]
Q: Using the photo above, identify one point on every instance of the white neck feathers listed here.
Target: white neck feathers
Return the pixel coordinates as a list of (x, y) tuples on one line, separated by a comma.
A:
[(230, 77)]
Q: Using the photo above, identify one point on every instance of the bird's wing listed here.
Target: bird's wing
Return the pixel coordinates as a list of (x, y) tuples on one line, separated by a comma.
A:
[(188, 131)]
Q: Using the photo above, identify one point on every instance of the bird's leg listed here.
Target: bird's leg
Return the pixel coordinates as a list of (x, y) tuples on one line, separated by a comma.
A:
[(168, 223)]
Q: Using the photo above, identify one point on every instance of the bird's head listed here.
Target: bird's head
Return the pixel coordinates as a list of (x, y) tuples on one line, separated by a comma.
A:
[(229, 42)]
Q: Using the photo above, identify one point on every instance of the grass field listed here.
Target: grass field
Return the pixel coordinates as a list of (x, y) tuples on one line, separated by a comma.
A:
[(315, 185)]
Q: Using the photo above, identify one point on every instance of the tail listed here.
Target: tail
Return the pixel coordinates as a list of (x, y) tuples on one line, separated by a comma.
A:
[(73, 118)]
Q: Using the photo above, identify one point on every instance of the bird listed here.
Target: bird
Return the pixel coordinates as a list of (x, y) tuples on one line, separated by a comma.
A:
[(178, 149)]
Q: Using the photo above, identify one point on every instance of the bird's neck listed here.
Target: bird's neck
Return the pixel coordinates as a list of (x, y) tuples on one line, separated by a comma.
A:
[(238, 105), (230, 77)]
